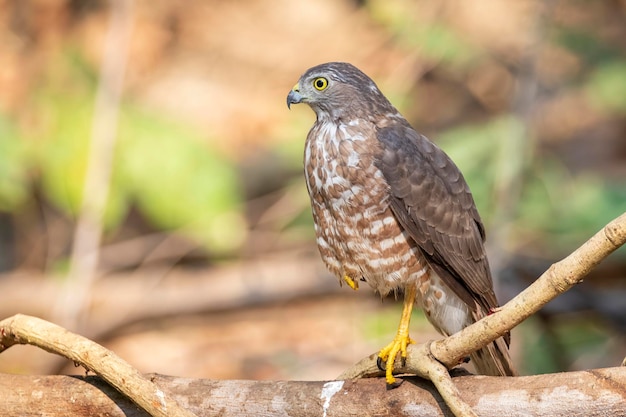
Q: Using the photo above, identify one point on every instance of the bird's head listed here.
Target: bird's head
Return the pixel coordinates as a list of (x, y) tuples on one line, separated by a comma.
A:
[(334, 89)]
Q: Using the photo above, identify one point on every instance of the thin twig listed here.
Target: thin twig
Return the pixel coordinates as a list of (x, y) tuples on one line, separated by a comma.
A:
[(88, 233)]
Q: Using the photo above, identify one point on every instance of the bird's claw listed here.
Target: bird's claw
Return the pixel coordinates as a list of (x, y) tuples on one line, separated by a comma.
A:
[(395, 384), (391, 381), (387, 356), (380, 363)]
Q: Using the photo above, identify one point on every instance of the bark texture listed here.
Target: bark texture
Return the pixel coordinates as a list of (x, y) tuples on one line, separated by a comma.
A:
[(600, 392)]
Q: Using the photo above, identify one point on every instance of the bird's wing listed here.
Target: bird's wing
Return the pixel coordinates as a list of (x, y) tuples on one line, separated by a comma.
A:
[(432, 201)]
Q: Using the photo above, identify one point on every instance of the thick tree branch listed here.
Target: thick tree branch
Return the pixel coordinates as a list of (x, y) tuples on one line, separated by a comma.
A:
[(599, 392)]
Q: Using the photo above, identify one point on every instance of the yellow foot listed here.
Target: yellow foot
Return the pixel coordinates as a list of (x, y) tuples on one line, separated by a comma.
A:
[(388, 355), (351, 283)]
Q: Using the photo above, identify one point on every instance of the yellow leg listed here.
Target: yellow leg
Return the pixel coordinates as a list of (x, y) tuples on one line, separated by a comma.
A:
[(402, 340)]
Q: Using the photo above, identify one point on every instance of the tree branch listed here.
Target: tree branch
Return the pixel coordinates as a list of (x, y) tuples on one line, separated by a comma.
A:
[(599, 392), (21, 329)]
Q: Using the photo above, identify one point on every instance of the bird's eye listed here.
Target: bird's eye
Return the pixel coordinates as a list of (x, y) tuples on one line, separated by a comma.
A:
[(320, 83)]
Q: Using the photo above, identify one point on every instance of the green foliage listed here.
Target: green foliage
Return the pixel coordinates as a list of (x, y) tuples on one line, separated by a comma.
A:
[(432, 39), (176, 179), (13, 167), (607, 86), (62, 145), (564, 209), (383, 324), (567, 340), (586, 45)]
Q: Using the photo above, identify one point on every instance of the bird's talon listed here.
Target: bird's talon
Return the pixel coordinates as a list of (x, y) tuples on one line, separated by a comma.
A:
[(395, 384), (380, 363), (493, 310), (388, 356)]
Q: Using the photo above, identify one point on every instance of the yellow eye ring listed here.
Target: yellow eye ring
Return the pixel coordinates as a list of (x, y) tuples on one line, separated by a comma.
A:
[(320, 83)]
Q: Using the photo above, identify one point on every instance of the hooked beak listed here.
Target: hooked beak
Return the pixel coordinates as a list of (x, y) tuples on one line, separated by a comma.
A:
[(294, 96)]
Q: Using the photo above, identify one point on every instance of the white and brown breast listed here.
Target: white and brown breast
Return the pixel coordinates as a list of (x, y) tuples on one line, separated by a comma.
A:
[(357, 234)]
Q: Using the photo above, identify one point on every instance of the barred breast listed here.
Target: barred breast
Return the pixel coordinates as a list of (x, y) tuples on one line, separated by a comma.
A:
[(357, 234)]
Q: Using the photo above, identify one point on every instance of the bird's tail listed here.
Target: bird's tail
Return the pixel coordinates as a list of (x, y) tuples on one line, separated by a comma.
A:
[(494, 359)]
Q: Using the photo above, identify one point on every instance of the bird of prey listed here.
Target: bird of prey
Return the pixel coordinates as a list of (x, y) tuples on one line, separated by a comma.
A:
[(391, 209)]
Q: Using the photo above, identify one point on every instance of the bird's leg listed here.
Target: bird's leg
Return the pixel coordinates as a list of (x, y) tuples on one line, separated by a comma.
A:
[(398, 345)]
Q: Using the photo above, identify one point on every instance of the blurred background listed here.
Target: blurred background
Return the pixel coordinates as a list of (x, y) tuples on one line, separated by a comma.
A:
[(151, 195)]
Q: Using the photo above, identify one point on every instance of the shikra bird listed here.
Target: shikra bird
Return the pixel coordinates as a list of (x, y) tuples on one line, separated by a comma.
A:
[(391, 209)]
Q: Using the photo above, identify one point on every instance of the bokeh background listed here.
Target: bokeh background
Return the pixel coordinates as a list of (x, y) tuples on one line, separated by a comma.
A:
[(151, 195)]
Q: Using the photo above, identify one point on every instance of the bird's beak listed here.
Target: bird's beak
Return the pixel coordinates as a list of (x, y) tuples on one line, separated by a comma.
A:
[(294, 96)]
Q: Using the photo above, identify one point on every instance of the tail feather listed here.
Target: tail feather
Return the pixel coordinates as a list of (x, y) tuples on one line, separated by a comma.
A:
[(494, 359)]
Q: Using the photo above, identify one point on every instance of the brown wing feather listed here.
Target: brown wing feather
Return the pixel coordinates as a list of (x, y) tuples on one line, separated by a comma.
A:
[(433, 203)]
